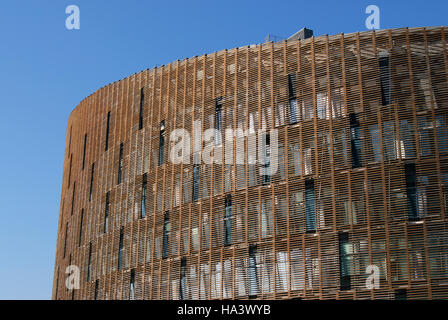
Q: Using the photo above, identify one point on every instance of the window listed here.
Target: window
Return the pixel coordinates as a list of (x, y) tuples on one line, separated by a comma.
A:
[(253, 277), (411, 190), (89, 261), (293, 106), (310, 206), (120, 164), (106, 212), (84, 152), (442, 133), (132, 286), (162, 142), (425, 128), (91, 181), (166, 234), (70, 171), (144, 190), (120, 249), (385, 80), (228, 221), (107, 131), (142, 101), (266, 177), (95, 294), (293, 110), (195, 182), (65, 238), (400, 294), (344, 261), (183, 279), (218, 120), (80, 227), (355, 139), (73, 197)]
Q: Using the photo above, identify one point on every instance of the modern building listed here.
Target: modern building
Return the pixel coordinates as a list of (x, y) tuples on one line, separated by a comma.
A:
[(333, 183)]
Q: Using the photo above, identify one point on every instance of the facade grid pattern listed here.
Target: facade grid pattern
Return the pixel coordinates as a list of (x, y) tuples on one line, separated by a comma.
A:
[(362, 179)]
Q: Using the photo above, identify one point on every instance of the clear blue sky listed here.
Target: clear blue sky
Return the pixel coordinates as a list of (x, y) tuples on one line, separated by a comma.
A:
[(45, 70)]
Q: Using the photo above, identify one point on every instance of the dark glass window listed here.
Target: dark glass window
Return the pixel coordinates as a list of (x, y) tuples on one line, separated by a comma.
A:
[(65, 238), (253, 277), (92, 172), (81, 221), (107, 131), (106, 213), (195, 182), (266, 177), (166, 234), (385, 80), (411, 190), (84, 151), (228, 221), (400, 294), (162, 143), (142, 101), (120, 164), (183, 279), (310, 206), (70, 171), (293, 106), (355, 139), (218, 120), (344, 261), (95, 294), (132, 286), (144, 190), (73, 197), (120, 249), (89, 261)]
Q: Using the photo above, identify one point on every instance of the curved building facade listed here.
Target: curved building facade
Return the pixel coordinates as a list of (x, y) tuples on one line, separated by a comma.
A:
[(313, 169)]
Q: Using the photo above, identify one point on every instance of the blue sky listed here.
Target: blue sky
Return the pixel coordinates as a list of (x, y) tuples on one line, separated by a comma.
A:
[(46, 70)]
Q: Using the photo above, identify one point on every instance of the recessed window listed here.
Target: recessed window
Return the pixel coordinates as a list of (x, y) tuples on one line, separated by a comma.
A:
[(120, 164), (218, 120), (106, 213), (81, 221), (132, 286), (355, 140), (166, 234), (73, 197), (70, 171), (65, 238), (107, 131), (293, 105), (92, 172), (89, 261), (95, 294), (310, 206), (183, 279), (144, 190), (344, 261), (266, 176), (400, 294), (411, 190), (253, 276), (142, 102), (84, 151), (195, 182), (228, 220), (162, 143), (120, 249), (385, 80)]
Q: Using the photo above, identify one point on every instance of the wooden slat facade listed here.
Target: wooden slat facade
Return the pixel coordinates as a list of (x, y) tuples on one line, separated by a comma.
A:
[(391, 204)]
